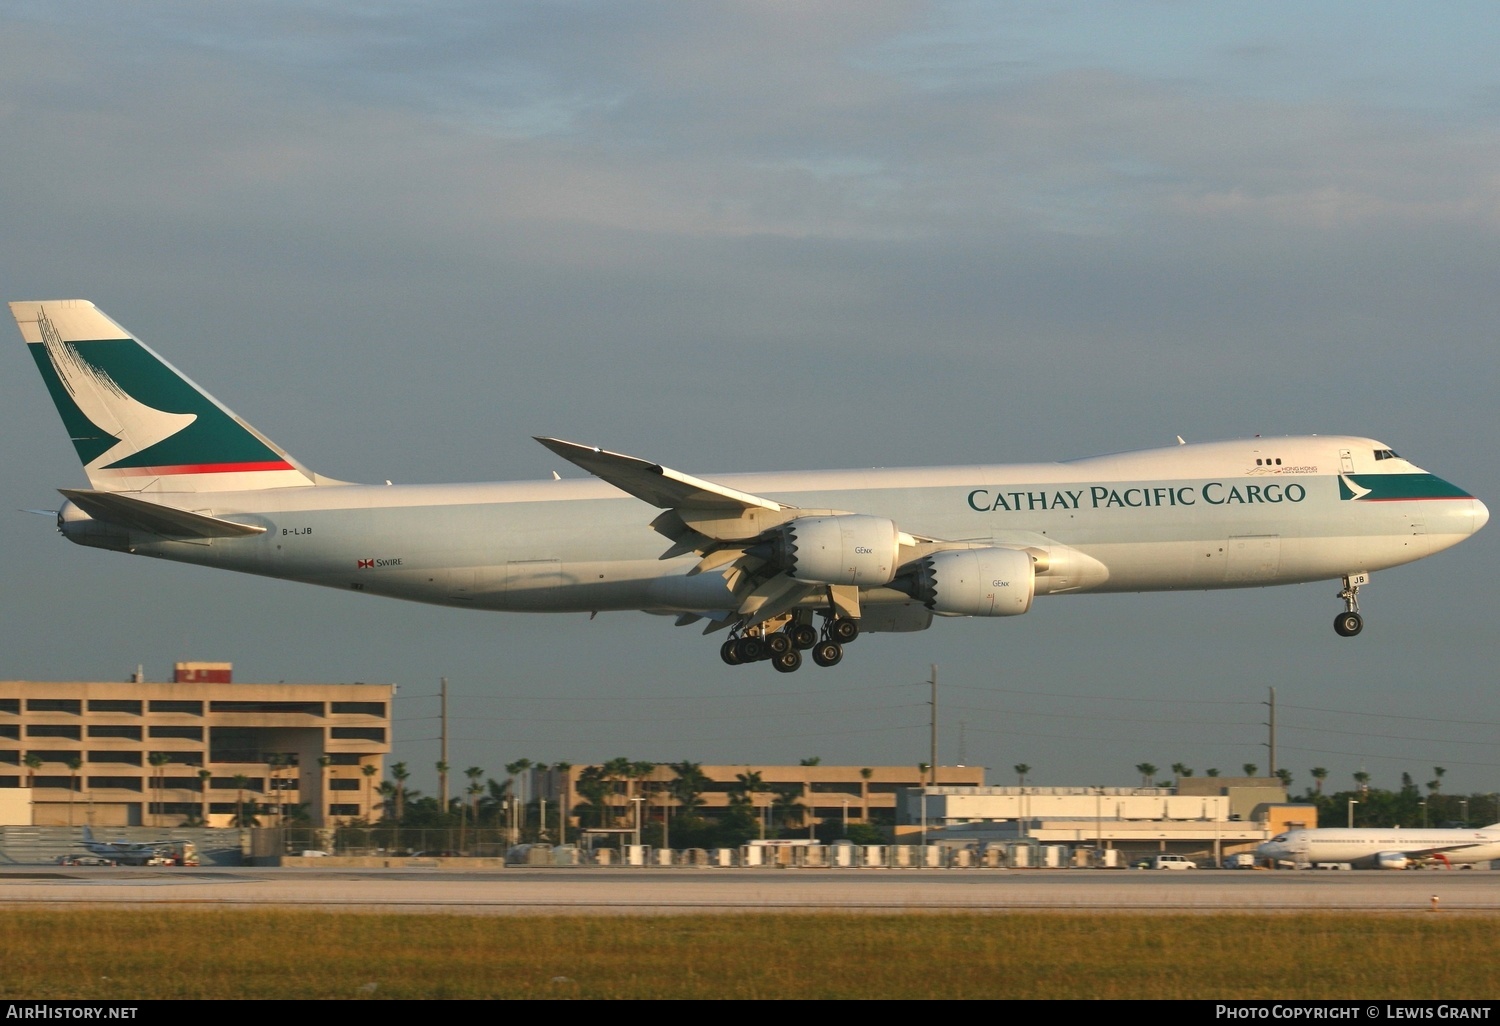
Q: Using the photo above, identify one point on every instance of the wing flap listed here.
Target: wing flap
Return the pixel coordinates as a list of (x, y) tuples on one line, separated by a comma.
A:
[(154, 518)]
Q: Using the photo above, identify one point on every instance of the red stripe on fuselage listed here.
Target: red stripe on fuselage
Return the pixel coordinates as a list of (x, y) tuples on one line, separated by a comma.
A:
[(198, 468)]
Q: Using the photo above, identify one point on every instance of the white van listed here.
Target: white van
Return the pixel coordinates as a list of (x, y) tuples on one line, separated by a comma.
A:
[(1172, 862)]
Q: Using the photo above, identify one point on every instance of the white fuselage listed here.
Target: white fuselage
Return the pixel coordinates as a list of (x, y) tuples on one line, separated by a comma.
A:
[(1213, 515), (1366, 847)]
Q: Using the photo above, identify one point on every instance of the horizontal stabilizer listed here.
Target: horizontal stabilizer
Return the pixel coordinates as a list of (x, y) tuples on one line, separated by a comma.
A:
[(653, 483), (154, 518)]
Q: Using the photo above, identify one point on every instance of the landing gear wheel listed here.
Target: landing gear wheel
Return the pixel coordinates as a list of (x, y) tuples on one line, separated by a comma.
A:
[(827, 653), (749, 649), (1349, 624), (843, 631), (804, 636), (789, 661), (779, 643), (729, 652)]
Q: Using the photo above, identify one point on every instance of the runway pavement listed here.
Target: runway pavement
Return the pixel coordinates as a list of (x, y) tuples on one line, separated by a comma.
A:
[(650, 891)]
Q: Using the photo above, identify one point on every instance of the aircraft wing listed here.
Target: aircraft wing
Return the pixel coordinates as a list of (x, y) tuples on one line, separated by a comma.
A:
[(725, 526), (651, 482), (154, 518), (1442, 849)]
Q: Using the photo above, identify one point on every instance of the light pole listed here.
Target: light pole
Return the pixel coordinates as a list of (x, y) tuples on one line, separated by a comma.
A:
[(1423, 803), (637, 800), (846, 817), (1352, 803)]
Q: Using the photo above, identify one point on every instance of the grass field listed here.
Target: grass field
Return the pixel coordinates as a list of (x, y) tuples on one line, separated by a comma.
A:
[(288, 954)]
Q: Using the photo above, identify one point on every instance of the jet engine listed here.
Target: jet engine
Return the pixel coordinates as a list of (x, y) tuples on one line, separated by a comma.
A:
[(847, 548), (1391, 860), (971, 582)]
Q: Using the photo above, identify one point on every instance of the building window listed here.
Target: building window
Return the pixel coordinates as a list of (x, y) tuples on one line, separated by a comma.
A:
[(172, 705), (131, 706), (59, 782), (181, 783), (345, 784), (47, 755), (344, 758), (10, 731), (358, 708), (122, 758), (115, 783), (343, 810), (263, 708), (376, 734), (10, 705), (55, 705), (72, 733), (128, 733), (10, 781), (181, 733)]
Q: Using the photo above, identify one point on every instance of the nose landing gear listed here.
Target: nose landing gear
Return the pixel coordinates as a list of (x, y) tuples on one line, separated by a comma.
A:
[(1349, 623)]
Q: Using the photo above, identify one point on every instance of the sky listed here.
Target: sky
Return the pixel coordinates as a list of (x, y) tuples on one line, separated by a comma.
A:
[(403, 238)]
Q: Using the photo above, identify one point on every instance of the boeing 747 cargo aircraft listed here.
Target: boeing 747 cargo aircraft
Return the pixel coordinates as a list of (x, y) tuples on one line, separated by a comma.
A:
[(785, 562)]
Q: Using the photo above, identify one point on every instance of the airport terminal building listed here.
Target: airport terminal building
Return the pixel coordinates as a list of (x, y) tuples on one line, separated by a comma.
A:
[(198, 749)]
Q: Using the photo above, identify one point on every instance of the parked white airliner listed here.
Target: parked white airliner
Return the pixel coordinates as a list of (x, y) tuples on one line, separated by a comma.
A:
[(1384, 849), (174, 474)]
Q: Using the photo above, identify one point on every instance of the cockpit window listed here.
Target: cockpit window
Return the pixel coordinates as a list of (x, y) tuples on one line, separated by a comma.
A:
[(1386, 454)]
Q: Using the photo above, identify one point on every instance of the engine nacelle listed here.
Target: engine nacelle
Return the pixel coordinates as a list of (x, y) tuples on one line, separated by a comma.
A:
[(972, 582), (1391, 860), (849, 548)]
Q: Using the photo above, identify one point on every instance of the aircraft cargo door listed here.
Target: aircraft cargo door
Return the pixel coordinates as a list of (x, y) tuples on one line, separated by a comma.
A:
[(1252, 558)]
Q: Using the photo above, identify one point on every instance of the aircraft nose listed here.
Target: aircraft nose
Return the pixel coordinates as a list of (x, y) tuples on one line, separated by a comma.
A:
[(1481, 515)]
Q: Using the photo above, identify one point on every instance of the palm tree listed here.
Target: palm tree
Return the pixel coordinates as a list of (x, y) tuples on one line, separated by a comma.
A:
[(1021, 770), (1319, 774), (1285, 776), (814, 760), (1438, 771), (400, 774), (1250, 769), (240, 783), (518, 789), (748, 785), (1182, 770), (562, 769), (324, 761), (1363, 780), (618, 768), (158, 781), (688, 788), (788, 810), (74, 765), (278, 762), (204, 776), (1212, 771), (369, 771), (1147, 771), (33, 763)]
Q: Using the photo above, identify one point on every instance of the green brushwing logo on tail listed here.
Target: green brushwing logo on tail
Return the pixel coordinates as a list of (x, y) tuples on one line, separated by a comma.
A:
[(125, 409), (1397, 487)]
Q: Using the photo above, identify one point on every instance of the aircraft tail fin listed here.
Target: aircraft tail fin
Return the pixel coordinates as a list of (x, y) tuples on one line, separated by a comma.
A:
[(88, 834), (137, 422)]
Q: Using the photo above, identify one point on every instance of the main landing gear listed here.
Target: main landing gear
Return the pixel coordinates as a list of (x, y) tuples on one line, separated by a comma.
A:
[(1349, 622), (782, 643)]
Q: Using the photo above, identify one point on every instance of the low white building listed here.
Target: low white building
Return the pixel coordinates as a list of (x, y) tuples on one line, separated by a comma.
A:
[(1202, 815)]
